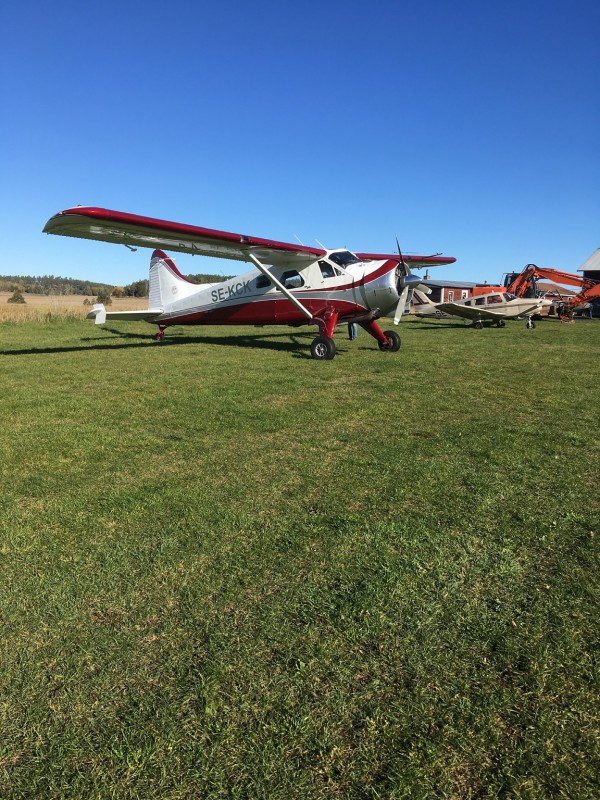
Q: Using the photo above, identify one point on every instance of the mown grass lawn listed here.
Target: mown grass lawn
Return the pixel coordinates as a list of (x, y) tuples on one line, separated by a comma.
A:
[(230, 571)]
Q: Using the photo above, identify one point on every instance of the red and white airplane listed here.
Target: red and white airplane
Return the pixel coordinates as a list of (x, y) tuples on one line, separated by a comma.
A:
[(290, 285)]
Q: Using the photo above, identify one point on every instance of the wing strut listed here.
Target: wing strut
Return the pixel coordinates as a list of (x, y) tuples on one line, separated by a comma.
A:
[(280, 286)]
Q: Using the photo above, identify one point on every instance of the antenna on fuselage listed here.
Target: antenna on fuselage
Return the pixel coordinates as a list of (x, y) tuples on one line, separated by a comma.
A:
[(320, 244), (299, 239)]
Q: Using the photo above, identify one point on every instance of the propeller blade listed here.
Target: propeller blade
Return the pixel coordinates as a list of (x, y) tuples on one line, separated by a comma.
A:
[(401, 257), (409, 282), (401, 305)]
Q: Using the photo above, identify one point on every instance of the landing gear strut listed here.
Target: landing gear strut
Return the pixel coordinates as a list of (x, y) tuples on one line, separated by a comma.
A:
[(530, 323), (160, 333), (323, 347), (393, 342), (388, 341)]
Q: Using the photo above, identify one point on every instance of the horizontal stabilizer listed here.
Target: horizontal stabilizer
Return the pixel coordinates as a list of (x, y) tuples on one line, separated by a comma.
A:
[(101, 315)]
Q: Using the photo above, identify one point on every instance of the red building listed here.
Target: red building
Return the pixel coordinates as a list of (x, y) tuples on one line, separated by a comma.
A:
[(443, 291)]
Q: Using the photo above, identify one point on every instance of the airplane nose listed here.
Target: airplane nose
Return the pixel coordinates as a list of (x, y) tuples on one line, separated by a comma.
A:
[(405, 286), (410, 281)]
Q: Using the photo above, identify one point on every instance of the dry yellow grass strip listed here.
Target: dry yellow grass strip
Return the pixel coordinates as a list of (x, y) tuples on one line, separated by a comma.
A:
[(38, 307)]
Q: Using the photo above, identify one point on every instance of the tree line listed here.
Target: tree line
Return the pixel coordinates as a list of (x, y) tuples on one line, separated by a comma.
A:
[(51, 284)]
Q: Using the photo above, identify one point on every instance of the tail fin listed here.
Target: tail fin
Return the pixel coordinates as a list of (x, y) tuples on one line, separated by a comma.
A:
[(423, 306), (98, 313), (166, 283)]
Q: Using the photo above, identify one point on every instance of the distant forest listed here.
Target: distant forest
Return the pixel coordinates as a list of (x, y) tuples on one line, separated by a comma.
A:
[(51, 284)]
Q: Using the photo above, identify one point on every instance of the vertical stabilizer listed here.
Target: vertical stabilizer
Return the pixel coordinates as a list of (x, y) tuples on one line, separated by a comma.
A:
[(423, 307), (166, 284)]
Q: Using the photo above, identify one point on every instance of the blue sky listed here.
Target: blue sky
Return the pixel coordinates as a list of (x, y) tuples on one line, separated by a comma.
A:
[(469, 128)]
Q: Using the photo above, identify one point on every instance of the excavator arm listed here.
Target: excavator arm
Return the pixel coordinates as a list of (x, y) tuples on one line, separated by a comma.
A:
[(589, 290)]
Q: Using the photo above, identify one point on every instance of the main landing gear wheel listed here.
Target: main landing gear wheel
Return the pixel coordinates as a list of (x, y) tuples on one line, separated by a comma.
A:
[(393, 342), (501, 323), (478, 324), (530, 323), (323, 348)]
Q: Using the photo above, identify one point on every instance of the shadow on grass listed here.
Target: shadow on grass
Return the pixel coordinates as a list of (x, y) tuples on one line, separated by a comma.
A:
[(434, 326), (296, 344)]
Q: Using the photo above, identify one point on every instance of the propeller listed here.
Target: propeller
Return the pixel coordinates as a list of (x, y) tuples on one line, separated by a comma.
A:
[(409, 282)]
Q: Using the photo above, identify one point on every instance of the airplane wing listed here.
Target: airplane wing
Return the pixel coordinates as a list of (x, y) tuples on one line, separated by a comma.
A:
[(469, 312), (134, 231), (102, 224), (415, 261)]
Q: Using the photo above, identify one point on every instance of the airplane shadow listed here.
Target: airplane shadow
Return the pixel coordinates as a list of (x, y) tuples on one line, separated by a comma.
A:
[(298, 345), (438, 325)]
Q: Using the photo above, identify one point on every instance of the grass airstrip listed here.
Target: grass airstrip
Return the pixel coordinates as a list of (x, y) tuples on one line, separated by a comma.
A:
[(230, 571)]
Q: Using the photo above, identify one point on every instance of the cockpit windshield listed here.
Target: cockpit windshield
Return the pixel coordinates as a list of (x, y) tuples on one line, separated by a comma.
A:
[(343, 258)]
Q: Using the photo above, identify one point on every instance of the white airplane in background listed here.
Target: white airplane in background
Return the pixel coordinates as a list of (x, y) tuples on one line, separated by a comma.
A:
[(491, 307)]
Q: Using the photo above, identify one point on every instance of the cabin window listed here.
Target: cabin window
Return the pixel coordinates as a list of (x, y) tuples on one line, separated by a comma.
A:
[(327, 271), (469, 303), (292, 279), (262, 281), (344, 258), (494, 298), (480, 301)]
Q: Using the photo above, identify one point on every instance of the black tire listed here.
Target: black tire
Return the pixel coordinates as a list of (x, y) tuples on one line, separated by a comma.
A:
[(530, 323), (322, 348), (478, 324), (501, 323), (393, 343)]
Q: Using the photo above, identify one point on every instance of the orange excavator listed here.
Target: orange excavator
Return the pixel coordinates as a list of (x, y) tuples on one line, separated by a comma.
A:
[(524, 284)]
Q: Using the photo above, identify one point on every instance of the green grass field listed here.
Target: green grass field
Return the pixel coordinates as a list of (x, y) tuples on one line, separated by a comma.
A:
[(230, 571)]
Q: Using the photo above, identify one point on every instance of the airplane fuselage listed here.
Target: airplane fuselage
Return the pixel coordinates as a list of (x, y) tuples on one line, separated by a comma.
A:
[(501, 304), (357, 289)]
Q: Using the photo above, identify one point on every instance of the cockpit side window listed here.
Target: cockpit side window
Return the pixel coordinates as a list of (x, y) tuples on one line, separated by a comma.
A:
[(262, 281), (327, 270), (480, 301), (494, 298)]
